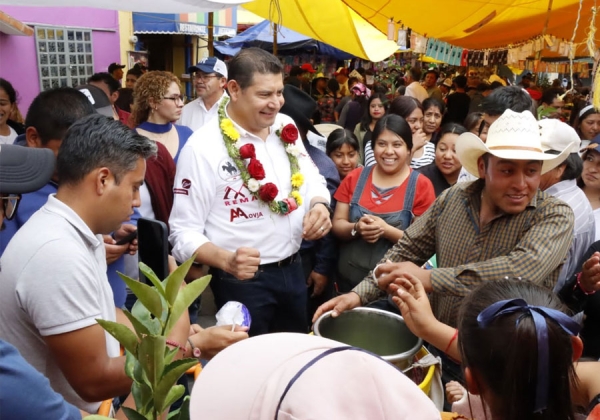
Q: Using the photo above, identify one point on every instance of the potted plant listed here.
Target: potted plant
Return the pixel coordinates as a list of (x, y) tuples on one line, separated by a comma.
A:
[(149, 361)]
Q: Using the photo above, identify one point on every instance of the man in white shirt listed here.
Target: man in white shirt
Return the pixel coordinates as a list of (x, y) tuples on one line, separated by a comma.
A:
[(413, 85), (246, 217), (210, 78)]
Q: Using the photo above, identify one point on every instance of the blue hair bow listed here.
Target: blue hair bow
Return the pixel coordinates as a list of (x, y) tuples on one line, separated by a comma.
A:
[(539, 314)]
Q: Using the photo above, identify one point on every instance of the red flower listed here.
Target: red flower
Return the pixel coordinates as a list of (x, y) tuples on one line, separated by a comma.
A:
[(289, 134), (256, 169), (247, 151), (268, 192)]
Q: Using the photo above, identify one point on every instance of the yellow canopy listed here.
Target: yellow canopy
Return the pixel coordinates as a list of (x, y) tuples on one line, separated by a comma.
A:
[(479, 24), (329, 21), (476, 24)]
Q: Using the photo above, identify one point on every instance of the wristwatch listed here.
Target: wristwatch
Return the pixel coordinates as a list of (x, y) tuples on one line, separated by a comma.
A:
[(327, 206)]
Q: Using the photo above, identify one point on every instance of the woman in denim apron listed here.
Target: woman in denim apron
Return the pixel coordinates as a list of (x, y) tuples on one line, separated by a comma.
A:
[(367, 231)]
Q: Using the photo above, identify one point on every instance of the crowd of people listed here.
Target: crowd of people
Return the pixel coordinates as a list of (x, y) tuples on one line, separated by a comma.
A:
[(294, 222)]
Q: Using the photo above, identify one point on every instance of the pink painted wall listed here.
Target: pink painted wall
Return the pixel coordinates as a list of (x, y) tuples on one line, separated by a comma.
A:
[(18, 59)]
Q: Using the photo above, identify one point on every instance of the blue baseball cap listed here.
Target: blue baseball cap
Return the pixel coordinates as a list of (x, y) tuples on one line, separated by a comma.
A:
[(210, 65)]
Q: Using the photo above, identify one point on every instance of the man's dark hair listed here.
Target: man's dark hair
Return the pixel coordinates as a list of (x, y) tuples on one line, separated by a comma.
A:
[(435, 73), (352, 81), (415, 73), (53, 111), (249, 61), (134, 72), (549, 95), (296, 71), (495, 85), (460, 82), (112, 83), (482, 87), (96, 141), (508, 97), (573, 165)]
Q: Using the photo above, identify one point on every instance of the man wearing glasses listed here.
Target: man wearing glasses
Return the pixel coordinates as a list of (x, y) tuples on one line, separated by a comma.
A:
[(210, 77)]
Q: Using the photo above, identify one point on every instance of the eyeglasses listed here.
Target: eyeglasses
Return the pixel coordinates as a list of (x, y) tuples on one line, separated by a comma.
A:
[(179, 98), (10, 203), (205, 77)]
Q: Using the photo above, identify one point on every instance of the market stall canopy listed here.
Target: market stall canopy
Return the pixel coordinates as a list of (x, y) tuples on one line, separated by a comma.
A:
[(331, 22), (158, 6), (478, 24), (345, 24), (261, 36)]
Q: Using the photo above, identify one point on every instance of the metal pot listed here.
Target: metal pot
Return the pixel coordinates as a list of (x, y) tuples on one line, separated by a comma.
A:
[(381, 332)]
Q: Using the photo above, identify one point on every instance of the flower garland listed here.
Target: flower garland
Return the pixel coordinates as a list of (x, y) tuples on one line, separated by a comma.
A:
[(254, 172)]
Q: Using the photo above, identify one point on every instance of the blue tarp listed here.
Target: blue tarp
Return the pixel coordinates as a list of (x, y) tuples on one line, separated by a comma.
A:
[(161, 23), (261, 36)]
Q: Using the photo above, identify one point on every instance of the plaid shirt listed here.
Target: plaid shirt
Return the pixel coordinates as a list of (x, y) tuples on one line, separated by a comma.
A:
[(531, 245)]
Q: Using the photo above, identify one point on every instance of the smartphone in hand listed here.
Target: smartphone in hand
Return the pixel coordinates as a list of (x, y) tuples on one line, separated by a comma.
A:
[(127, 239)]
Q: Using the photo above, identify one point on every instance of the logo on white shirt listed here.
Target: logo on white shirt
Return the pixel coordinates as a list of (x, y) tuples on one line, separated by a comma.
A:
[(186, 185), (238, 216), (228, 171)]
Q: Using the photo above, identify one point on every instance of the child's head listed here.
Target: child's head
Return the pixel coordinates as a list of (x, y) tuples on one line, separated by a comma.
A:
[(517, 349), (342, 147)]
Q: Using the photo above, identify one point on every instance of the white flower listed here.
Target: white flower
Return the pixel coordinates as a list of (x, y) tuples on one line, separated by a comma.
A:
[(293, 150), (253, 185)]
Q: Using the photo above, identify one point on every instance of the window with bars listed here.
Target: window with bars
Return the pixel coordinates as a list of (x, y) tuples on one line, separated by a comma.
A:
[(65, 56)]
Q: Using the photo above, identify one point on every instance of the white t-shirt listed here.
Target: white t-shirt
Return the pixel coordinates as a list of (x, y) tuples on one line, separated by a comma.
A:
[(597, 220), (53, 281), (194, 115), (426, 158), (211, 203), (10, 139)]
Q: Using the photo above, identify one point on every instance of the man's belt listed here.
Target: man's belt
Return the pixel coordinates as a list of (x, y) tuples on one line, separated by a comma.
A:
[(283, 263)]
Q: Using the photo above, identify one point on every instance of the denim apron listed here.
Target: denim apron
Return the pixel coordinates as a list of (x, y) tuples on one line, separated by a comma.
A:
[(358, 257)]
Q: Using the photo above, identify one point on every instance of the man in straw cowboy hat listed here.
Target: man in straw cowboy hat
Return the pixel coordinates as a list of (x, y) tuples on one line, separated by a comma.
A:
[(499, 226)]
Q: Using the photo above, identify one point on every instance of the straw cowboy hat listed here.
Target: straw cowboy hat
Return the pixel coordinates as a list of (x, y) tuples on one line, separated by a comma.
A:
[(514, 136), (289, 376)]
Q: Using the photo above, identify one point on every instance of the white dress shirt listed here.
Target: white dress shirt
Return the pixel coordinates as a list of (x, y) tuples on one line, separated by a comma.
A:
[(194, 115), (211, 203)]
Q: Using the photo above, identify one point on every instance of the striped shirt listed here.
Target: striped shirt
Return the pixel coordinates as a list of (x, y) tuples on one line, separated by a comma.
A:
[(532, 244), (583, 234), (426, 158)]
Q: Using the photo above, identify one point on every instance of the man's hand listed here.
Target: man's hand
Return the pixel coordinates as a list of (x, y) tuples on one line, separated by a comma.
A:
[(243, 263), (212, 340), (123, 231), (414, 305), (388, 273), (369, 228), (338, 305), (319, 281), (590, 274), (316, 223), (113, 252)]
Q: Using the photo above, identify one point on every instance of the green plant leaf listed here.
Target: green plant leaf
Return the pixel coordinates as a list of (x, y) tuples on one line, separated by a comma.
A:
[(175, 393), (130, 362), (140, 329), (149, 297), (183, 412), (142, 395), (143, 315), (123, 334), (133, 415), (139, 375), (151, 356), (150, 275), (170, 354), (170, 376), (184, 299), (175, 279)]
